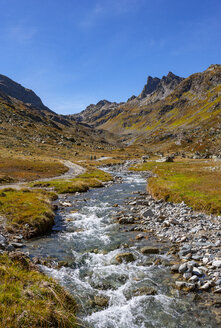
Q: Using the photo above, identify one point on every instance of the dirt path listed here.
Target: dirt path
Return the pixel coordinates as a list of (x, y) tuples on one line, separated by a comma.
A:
[(74, 170)]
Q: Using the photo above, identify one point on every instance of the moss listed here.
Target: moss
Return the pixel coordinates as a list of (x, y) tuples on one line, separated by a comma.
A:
[(30, 299)]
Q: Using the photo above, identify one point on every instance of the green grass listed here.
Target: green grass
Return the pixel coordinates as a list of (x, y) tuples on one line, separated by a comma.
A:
[(191, 181), (21, 207), (29, 299), (93, 178)]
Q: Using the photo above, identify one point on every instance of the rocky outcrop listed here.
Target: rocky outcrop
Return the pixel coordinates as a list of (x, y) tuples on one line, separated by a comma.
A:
[(160, 88)]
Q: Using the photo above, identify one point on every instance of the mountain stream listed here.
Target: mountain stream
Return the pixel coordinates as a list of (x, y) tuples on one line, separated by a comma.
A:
[(110, 294)]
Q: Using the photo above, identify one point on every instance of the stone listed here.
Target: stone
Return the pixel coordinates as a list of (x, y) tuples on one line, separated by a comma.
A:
[(17, 245), (10, 248), (101, 301), (148, 214), (206, 286), (217, 290), (194, 278), (216, 263), (149, 250), (187, 275), (125, 257), (180, 284), (145, 291), (175, 268), (197, 272), (3, 240), (138, 237), (182, 268), (66, 204), (126, 221)]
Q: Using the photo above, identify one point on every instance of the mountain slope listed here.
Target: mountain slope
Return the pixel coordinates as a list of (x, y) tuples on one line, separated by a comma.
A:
[(171, 113), (27, 125), (17, 91)]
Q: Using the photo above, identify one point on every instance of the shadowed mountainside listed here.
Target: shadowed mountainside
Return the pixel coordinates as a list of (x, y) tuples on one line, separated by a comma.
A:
[(27, 125)]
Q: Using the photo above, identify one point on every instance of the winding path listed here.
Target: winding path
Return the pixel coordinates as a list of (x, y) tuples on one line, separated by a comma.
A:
[(74, 170)]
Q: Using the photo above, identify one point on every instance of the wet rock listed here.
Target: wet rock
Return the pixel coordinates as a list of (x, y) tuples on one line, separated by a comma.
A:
[(145, 291), (126, 220), (125, 257), (66, 204), (101, 301), (17, 245), (140, 236), (149, 250)]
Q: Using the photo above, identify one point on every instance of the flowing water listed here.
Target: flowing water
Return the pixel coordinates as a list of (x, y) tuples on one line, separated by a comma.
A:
[(88, 239)]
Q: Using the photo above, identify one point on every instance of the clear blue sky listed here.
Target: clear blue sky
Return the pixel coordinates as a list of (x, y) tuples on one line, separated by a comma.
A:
[(76, 52)]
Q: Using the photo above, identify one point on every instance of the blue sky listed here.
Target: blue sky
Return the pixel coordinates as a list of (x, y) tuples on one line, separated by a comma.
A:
[(76, 52)]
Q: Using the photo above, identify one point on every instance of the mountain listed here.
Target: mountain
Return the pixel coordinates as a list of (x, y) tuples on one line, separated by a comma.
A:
[(27, 125), (171, 113), (17, 91)]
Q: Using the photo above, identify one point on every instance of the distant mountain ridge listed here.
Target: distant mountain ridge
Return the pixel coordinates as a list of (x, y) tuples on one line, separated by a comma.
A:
[(170, 113), (155, 87)]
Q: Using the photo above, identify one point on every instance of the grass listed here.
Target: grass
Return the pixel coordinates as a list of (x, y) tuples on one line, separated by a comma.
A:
[(29, 212), (93, 178), (17, 169), (198, 183), (30, 299)]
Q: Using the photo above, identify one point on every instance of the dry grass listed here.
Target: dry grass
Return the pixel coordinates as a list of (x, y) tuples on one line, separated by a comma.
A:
[(17, 169), (198, 183), (29, 299)]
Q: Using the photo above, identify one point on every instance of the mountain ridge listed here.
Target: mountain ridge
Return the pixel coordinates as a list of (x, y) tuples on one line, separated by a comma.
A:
[(170, 113)]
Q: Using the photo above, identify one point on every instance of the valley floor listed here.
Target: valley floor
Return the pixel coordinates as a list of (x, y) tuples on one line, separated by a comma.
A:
[(28, 212)]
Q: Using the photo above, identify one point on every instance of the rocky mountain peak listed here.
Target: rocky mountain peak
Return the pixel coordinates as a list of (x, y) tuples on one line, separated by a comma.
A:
[(152, 83), (160, 87)]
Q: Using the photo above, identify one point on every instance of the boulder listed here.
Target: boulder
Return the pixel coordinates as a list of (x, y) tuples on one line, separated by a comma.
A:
[(149, 250), (145, 290), (125, 257), (148, 214), (101, 301)]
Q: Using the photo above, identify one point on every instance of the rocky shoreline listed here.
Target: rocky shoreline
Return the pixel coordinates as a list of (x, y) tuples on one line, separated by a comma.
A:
[(195, 243)]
